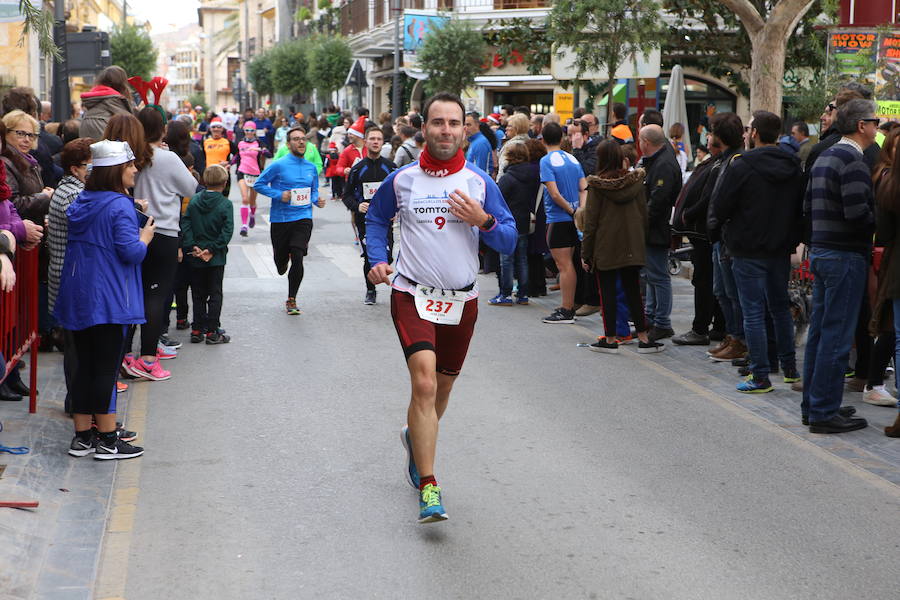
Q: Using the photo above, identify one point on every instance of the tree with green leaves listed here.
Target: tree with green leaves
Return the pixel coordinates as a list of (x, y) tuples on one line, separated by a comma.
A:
[(40, 23), (452, 56), (259, 73), (131, 48), (290, 67), (603, 34), (769, 26), (330, 59)]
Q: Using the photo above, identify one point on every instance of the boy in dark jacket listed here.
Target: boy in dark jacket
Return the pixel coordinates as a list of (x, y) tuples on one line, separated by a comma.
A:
[(207, 226)]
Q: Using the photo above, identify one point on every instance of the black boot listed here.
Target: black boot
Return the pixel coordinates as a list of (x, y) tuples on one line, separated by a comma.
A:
[(7, 395)]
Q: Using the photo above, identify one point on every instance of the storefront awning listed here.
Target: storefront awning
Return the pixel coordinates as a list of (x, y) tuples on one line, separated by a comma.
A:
[(619, 94)]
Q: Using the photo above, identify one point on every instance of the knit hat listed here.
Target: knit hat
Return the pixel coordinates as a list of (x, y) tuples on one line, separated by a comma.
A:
[(359, 128), (249, 125), (107, 153)]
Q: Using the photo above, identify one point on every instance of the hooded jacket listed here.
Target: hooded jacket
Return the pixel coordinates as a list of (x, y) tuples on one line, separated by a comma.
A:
[(99, 105), (693, 201), (663, 185), (101, 277), (519, 185), (615, 222), (208, 223), (759, 203)]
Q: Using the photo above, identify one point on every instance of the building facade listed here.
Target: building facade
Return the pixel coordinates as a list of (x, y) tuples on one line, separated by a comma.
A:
[(220, 24)]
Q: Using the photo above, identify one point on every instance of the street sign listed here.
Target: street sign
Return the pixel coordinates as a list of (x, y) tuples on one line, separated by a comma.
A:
[(87, 52), (633, 67)]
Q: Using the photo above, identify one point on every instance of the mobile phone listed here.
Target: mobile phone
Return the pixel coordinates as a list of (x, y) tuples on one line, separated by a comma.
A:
[(142, 218)]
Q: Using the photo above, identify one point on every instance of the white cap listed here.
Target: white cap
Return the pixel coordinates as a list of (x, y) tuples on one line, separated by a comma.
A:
[(107, 153)]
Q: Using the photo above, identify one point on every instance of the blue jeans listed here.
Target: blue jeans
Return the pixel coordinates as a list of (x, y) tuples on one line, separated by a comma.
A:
[(658, 304), (517, 262), (725, 290), (840, 279), (762, 285)]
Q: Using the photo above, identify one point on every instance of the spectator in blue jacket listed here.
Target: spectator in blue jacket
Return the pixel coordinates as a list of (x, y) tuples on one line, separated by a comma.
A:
[(482, 144), (100, 294)]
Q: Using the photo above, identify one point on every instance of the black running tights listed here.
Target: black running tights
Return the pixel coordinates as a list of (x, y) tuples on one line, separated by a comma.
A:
[(158, 274), (295, 273)]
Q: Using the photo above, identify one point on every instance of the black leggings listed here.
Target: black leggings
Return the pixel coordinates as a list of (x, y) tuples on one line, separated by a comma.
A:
[(98, 352), (295, 273), (631, 285), (882, 353), (158, 274)]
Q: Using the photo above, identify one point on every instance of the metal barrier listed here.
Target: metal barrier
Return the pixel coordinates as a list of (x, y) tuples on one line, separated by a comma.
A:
[(19, 319)]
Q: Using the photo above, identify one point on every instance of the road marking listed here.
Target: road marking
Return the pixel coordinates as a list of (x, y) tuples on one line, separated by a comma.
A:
[(112, 570), (260, 258), (345, 257)]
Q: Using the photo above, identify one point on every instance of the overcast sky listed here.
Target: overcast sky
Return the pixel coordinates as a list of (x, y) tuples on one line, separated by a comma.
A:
[(165, 15)]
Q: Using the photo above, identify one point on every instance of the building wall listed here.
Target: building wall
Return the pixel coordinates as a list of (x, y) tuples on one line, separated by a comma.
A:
[(217, 81)]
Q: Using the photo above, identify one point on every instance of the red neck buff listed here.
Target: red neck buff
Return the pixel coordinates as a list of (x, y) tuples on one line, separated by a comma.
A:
[(441, 168)]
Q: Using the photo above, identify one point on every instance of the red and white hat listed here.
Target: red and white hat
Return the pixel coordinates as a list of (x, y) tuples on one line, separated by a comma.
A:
[(494, 118), (359, 128), (217, 122)]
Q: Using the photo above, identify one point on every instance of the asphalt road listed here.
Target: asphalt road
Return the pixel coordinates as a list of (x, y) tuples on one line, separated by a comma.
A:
[(274, 468)]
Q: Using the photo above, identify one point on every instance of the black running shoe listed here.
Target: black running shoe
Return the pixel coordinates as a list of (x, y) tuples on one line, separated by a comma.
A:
[(165, 340), (370, 297), (650, 347), (217, 338), (604, 345), (116, 451), (182, 324), (197, 336), (80, 447), (561, 315)]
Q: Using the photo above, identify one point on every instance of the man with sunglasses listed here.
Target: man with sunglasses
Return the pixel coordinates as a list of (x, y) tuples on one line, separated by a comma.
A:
[(839, 204), (293, 185), (830, 136)]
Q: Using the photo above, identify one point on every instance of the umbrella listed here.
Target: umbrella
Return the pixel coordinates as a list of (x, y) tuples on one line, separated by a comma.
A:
[(675, 109)]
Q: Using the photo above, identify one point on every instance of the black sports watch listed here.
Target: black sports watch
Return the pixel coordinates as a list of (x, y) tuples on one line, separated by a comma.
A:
[(489, 223)]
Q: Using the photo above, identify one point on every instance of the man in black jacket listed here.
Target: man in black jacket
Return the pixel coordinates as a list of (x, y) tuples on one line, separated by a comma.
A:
[(690, 218), (759, 206), (663, 183), (362, 182)]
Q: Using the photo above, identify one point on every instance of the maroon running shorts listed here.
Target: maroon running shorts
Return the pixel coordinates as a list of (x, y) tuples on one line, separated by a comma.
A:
[(450, 343)]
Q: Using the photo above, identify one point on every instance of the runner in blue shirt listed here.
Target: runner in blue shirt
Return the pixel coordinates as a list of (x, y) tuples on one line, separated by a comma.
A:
[(565, 190), (293, 185)]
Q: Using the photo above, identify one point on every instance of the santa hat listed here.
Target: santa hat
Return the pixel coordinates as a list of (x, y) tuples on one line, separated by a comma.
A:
[(216, 122), (359, 128), (494, 118), (483, 120)]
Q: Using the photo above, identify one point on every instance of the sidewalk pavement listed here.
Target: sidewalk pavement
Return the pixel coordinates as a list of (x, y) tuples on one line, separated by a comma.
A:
[(49, 552)]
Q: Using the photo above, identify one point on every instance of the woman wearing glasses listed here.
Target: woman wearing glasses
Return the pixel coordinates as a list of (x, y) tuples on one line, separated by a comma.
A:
[(31, 198)]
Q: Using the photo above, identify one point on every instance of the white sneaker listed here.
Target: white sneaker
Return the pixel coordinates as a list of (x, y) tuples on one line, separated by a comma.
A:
[(879, 396)]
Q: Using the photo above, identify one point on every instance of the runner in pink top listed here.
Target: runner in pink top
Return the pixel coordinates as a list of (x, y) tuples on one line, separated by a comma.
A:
[(249, 160)]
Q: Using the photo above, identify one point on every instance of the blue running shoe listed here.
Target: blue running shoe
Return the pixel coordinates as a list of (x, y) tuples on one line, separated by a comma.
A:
[(412, 474), (752, 386), (431, 510), (501, 300)]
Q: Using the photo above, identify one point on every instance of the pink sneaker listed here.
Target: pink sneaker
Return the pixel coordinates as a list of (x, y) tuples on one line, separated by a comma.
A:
[(153, 371), (127, 364)]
